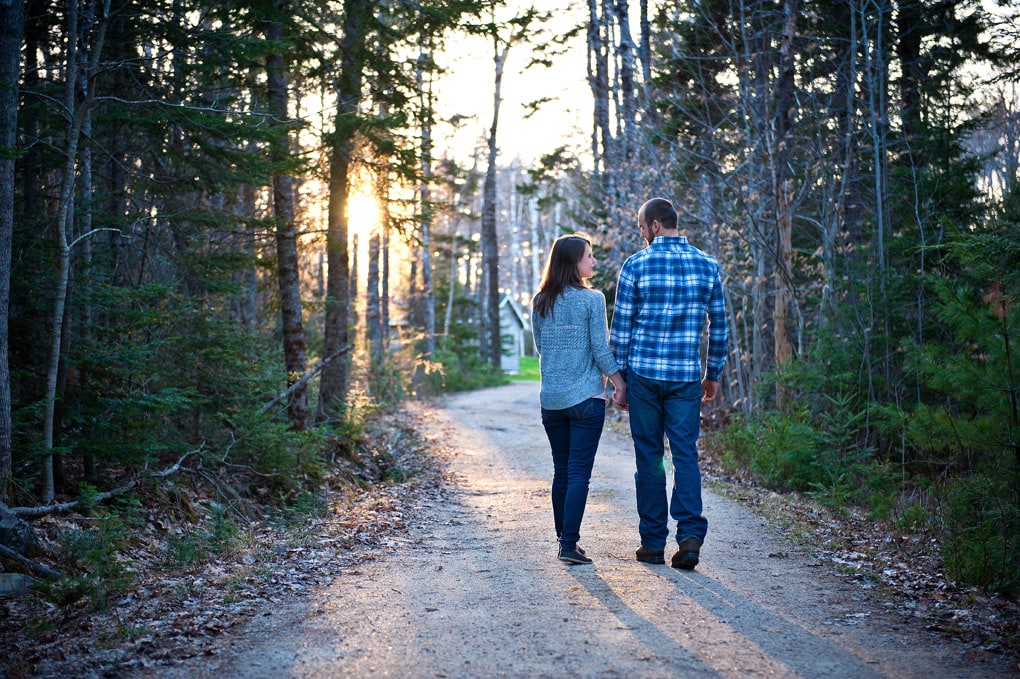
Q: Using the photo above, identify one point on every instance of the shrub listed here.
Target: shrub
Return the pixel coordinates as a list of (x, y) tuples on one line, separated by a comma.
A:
[(782, 453), (287, 458), (462, 371), (980, 531), (95, 573)]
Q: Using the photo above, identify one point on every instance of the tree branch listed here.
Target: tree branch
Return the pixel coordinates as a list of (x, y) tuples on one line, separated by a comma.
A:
[(307, 376)]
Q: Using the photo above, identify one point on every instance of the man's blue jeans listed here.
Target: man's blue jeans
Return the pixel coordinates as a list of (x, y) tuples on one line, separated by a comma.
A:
[(574, 435), (673, 410)]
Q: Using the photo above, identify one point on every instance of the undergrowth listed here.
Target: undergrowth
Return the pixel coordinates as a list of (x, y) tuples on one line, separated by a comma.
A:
[(975, 518), (181, 523)]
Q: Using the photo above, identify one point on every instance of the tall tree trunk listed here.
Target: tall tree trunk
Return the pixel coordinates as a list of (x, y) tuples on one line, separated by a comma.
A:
[(352, 292), (538, 247), (333, 385), (909, 34), (428, 291), (490, 244), (12, 19), (785, 113), (844, 105), (754, 102), (76, 114), (373, 312), (598, 80), (86, 200), (645, 54), (246, 304), (384, 287), (373, 333), (452, 287), (288, 273), (628, 108), (875, 26)]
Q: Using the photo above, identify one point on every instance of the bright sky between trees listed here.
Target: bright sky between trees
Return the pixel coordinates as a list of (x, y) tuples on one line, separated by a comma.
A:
[(466, 89)]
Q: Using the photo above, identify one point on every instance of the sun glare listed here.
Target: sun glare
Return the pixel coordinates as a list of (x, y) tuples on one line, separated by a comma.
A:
[(362, 215)]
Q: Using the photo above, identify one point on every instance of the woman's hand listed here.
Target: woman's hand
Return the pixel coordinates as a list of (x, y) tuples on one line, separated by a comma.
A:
[(620, 396)]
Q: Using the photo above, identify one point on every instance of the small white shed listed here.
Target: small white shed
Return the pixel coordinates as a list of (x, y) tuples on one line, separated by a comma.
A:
[(513, 329)]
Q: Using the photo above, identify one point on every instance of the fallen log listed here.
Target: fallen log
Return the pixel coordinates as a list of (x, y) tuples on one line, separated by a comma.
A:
[(37, 568), (44, 510)]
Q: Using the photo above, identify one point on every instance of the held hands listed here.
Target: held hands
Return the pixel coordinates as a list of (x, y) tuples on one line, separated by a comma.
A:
[(708, 390), (620, 396)]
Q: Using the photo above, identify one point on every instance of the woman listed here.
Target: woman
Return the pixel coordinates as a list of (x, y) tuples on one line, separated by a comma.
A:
[(572, 337)]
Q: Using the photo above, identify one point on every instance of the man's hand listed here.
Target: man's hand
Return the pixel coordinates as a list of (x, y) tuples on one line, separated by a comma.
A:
[(620, 398), (708, 390)]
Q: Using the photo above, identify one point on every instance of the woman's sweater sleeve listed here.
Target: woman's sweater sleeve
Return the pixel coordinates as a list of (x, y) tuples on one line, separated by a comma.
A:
[(598, 332), (536, 329)]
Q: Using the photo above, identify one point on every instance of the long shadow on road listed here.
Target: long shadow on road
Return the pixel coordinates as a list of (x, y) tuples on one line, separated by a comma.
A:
[(714, 631)]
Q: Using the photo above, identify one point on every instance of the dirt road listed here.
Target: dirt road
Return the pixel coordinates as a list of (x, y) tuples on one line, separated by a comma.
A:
[(474, 587)]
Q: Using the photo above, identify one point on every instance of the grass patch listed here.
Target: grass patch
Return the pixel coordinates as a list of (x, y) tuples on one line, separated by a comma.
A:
[(528, 371)]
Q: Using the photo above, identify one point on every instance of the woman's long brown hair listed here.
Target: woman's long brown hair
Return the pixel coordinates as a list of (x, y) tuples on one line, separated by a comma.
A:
[(560, 271)]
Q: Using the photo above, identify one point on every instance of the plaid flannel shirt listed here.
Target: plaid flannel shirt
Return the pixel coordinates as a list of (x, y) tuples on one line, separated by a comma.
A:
[(664, 296)]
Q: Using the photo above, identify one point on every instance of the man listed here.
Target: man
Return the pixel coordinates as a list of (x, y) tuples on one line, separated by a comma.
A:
[(664, 295)]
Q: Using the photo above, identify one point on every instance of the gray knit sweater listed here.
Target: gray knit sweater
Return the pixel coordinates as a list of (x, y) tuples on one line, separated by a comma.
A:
[(573, 348)]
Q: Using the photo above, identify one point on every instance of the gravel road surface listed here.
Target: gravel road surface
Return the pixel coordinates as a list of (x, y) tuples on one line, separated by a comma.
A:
[(474, 589)]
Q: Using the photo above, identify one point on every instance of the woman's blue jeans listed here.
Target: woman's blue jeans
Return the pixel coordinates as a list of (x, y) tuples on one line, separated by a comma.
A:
[(672, 410), (574, 435)]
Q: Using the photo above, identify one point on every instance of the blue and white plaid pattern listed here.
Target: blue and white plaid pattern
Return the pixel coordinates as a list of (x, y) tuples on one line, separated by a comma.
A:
[(664, 295)]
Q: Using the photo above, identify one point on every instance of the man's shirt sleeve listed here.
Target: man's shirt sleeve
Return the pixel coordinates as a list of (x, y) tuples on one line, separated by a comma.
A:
[(718, 335), (623, 318)]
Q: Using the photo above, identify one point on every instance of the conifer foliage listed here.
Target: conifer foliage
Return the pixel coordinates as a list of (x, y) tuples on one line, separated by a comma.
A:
[(171, 165)]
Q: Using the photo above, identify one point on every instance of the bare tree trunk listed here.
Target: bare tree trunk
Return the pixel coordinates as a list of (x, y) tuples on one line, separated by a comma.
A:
[(452, 287), (246, 301), (288, 273), (377, 298), (333, 385), (877, 80), (85, 201), (384, 287), (76, 115), (875, 26), (12, 19), (754, 102), (785, 113), (428, 291), (628, 108), (598, 80), (848, 206), (352, 293), (373, 332), (645, 54), (513, 237), (490, 244), (538, 246)]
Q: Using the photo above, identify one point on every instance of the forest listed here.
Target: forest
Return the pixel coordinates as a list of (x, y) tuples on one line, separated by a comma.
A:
[(232, 232)]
